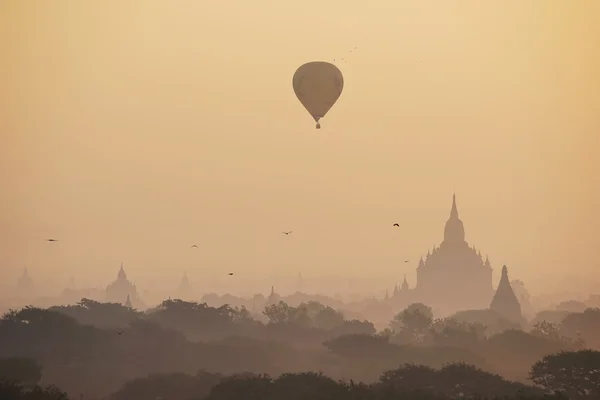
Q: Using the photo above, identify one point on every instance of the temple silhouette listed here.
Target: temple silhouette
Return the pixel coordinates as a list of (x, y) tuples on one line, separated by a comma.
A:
[(25, 283), (123, 291), (453, 276), (505, 301), (184, 290)]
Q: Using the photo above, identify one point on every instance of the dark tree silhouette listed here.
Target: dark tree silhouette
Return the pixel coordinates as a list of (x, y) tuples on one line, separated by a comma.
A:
[(102, 315), (412, 324), (575, 373), (25, 371), (450, 332), (175, 386), (13, 391), (583, 327)]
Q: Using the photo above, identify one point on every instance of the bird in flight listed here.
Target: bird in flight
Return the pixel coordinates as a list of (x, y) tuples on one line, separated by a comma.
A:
[(286, 233), (194, 246), (120, 332), (396, 224), (231, 273), (51, 240)]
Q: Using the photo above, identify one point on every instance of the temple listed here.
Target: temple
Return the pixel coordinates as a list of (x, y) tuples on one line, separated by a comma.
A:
[(454, 276), (25, 283), (505, 301), (451, 277), (184, 291), (273, 298), (122, 289)]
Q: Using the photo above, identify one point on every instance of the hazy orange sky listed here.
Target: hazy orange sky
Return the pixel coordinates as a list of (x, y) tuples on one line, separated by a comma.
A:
[(133, 129)]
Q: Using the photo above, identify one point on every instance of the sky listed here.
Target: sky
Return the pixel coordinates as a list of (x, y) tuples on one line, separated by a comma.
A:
[(130, 130)]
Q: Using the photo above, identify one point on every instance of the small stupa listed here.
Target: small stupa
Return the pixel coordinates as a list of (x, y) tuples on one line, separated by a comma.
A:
[(505, 301)]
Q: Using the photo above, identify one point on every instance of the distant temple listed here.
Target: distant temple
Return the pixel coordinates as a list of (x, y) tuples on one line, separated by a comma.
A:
[(273, 298), (184, 291), (402, 294), (25, 283), (505, 301), (453, 276), (122, 289)]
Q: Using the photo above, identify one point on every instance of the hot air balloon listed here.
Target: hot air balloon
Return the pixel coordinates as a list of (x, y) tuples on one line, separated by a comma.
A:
[(318, 85)]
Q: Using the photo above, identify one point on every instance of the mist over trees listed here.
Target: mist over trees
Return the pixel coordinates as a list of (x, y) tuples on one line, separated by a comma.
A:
[(188, 350)]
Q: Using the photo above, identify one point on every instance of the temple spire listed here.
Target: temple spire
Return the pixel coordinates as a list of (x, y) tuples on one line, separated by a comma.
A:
[(184, 285), (454, 231), (505, 301), (454, 211), (122, 275)]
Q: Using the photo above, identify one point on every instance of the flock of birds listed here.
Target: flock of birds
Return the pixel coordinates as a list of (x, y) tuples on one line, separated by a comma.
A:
[(343, 57), (120, 332), (194, 246)]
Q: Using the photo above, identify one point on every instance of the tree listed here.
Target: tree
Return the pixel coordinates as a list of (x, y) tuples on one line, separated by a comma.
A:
[(281, 314), (254, 387), (13, 391), (550, 331), (455, 380), (307, 385), (553, 316), (328, 319), (353, 327), (200, 321), (101, 315), (278, 314), (412, 324), (583, 327), (575, 373), (409, 378), (175, 386), (450, 332), (25, 371)]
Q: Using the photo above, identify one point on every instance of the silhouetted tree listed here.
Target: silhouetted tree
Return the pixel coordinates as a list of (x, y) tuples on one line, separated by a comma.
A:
[(176, 386), (552, 332), (575, 373), (102, 315), (494, 322), (13, 391), (412, 324), (583, 326), (512, 352), (553, 316), (409, 378), (456, 380), (450, 332), (25, 371), (254, 387), (353, 327), (200, 321)]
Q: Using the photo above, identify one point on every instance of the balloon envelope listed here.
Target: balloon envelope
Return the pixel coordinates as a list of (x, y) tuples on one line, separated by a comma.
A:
[(318, 85)]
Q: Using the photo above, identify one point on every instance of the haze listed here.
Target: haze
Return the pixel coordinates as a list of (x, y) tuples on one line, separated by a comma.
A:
[(132, 130)]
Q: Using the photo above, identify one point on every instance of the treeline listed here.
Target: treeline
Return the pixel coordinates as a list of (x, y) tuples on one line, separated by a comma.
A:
[(95, 348), (553, 376)]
